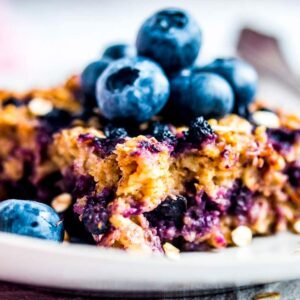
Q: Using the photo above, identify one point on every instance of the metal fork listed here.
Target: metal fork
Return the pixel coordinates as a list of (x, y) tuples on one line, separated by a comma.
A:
[(265, 54)]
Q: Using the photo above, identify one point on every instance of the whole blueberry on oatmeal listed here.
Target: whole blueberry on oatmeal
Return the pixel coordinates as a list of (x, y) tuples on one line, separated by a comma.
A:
[(89, 78), (171, 37), (241, 76), (195, 94), (30, 218), (133, 89), (117, 51)]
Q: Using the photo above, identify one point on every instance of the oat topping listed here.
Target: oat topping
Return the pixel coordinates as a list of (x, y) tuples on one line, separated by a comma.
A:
[(241, 236), (40, 106)]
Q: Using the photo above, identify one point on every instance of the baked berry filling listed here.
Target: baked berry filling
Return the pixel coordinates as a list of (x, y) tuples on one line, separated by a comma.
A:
[(283, 139)]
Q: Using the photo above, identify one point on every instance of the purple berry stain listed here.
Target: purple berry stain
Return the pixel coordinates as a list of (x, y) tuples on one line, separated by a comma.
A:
[(96, 213)]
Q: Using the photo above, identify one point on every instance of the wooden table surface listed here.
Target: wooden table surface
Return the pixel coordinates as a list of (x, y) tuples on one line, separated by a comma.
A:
[(282, 290)]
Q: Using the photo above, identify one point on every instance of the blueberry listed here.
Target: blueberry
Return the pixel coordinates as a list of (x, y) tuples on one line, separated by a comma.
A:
[(95, 219), (12, 101), (57, 119), (282, 139), (171, 37), (195, 94), (30, 218), (119, 51), (83, 185), (170, 209), (242, 78), (161, 132), (293, 172), (96, 214), (132, 89), (199, 131), (113, 132), (241, 200), (76, 229), (89, 78)]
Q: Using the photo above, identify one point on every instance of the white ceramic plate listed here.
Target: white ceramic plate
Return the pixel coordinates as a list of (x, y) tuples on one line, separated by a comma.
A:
[(38, 262)]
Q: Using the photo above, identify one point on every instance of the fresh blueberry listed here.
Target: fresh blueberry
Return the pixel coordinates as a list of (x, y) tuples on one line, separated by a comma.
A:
[(119, 51), (30, 218), (242, 78), (89, 78), (195, 94), (171, 37), (133, 89)]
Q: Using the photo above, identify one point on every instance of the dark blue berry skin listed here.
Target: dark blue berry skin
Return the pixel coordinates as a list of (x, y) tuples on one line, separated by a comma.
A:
[(195, 94), (241, 76), (172, 209), (12, 101), (112, 132), (133, 89), (172, 38), (89, 78), (96, 214), (168, 215), (117, 51), (162, 132), (30, 218), (293, 172), (199, 131), (56, 119)]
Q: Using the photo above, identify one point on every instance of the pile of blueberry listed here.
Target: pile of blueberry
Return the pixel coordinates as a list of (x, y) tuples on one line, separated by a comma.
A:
[(159, 75)]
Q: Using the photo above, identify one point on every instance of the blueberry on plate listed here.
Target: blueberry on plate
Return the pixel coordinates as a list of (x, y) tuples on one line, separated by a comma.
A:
[(133, 89), (30, 218), (242, 78), (117, 51), (195, 94), (89, 78), (171, 37)]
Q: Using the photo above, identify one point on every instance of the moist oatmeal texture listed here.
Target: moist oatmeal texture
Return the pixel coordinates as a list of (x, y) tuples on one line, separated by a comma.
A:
[(191, 189), (25, 135), (147, 151), (236, 179)]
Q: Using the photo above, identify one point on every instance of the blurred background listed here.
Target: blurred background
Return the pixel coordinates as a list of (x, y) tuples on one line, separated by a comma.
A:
[(42, 42)]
